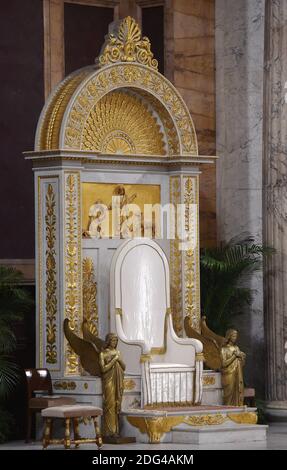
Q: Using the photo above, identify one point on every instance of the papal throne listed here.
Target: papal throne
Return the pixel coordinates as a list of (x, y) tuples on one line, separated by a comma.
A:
[(170, 367)]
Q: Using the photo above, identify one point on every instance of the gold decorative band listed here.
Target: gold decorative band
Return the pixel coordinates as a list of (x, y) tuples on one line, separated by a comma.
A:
[(145, 357), (199, 357)]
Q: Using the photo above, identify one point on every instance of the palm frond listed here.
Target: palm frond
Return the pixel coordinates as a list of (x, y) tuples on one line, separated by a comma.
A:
[(7, 339), (9, 376), (223, 269), (7, 423)]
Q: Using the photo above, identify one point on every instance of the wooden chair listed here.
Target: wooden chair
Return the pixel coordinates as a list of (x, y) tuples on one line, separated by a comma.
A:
[(71, 414), (39, 380), (249, 397)]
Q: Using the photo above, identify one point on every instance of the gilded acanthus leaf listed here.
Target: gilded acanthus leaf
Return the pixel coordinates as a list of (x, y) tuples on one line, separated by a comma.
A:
[(126, 44), (90, 309)]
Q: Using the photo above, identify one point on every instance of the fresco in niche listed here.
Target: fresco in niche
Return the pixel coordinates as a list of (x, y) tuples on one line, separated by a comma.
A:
[(113, 210)]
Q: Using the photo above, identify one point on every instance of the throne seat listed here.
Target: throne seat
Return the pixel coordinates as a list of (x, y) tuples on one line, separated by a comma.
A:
[(170, 367)]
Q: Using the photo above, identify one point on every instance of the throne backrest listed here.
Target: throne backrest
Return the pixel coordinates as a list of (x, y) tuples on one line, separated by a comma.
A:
[(140, 286)]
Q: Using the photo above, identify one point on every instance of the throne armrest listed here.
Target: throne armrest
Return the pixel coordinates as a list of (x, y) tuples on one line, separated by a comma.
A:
[(131, 342), (198, 346), (190, 341)]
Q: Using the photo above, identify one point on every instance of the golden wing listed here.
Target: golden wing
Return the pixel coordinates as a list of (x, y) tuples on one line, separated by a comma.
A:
[(89, 336), (211, 350), (88, 353), (207, 333)]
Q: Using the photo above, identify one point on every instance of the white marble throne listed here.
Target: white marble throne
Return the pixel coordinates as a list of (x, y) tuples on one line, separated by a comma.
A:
[(170, 367)]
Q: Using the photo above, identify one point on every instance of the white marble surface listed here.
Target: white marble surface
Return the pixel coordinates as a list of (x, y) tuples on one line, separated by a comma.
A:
[(276, 440), (239, 115), (228, 433)]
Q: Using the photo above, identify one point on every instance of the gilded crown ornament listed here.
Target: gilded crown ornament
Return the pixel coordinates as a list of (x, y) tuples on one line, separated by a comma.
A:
[(126, 44)]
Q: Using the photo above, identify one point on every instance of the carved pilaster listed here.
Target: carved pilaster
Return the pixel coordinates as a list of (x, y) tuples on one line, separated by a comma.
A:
[(48, 272), (72, 265), (184, 254), (176, 262), (90, 309)]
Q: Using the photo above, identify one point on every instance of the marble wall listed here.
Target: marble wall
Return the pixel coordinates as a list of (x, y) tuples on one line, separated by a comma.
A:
[(189, 64), (239, 34), (275, 203)]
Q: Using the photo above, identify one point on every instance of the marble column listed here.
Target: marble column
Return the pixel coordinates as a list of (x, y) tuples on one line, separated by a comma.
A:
[(275, 205), (239, 39)]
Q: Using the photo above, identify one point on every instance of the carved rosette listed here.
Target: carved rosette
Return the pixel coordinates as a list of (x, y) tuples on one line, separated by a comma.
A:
[(175, 262), (90, 309), (51, 281), (73, 271), (208, 380), (191, 255)]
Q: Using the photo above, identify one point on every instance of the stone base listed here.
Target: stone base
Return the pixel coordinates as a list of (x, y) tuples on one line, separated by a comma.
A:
[(197, 425), (119, 440), (212, 388), (276, 411), (227, 433)]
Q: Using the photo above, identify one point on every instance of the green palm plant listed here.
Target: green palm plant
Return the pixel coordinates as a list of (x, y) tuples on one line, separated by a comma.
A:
[(14, 300), (223, 272)]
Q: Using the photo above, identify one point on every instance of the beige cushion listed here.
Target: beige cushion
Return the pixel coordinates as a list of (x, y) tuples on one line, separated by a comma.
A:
[(45, 402), (74, 411)]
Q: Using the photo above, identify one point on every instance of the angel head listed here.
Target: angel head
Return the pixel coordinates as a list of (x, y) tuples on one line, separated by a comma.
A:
[(111, 341), (231, 336)]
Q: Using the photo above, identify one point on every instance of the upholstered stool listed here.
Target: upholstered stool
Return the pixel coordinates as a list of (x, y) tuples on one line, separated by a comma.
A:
[(68, 413)]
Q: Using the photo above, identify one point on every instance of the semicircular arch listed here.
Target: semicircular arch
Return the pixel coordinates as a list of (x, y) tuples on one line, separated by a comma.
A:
[(118, 76)]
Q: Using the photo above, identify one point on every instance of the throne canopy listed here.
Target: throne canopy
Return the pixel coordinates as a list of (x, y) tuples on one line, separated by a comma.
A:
[(120, 105)]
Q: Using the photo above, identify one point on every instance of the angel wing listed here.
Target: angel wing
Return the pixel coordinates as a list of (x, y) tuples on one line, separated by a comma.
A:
[(207, 333), (88, 353), (211, 349), (89, 336)]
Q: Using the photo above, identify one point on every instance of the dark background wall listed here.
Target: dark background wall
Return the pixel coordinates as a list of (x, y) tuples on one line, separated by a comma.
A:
[(153, 28), (85, 27), (21, 97)]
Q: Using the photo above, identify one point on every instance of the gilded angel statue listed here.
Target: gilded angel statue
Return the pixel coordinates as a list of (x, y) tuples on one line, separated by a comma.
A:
[(222, 354), (101, 358)]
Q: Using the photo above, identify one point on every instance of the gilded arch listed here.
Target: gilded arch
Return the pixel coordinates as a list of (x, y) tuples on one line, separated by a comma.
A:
[(134, 100)]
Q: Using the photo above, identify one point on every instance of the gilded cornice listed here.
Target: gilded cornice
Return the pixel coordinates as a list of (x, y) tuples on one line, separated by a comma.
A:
[(112, 159)]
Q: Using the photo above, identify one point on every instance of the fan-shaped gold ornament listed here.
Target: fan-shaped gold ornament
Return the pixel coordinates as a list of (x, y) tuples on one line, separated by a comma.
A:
[(121, 123), (125, 44)]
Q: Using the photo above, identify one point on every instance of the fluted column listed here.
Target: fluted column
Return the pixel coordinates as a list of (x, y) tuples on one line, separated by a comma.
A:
[(275, 205)]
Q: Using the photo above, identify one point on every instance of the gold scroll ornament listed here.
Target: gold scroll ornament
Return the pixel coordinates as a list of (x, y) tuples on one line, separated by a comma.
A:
[(156, 427), (90, 309), (51, 281), (125, 44)]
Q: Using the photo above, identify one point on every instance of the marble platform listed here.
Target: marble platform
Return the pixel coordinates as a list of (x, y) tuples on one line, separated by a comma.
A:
[(197, 425)]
